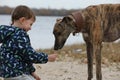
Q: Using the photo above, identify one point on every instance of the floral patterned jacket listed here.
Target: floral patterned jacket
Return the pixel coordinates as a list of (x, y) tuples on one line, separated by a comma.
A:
[(16, 54)]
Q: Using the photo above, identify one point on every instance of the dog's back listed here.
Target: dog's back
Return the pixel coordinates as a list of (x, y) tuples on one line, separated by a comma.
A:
[(109, 17)]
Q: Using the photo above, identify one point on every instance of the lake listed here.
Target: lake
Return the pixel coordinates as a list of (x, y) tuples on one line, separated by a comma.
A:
[(41, 34)]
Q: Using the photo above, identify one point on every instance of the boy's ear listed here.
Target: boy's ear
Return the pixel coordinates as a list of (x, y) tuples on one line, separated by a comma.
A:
[(22, 19)]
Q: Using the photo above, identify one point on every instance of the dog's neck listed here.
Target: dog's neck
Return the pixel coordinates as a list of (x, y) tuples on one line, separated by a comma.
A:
[(79, 21)]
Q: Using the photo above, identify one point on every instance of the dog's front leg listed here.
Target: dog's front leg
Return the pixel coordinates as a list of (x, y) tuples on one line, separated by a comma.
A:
[(89, 48), (97, 51), (90, 60), (97, 35)]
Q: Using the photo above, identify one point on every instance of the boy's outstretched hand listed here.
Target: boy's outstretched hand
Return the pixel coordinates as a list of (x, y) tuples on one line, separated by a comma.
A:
[(52, 57)]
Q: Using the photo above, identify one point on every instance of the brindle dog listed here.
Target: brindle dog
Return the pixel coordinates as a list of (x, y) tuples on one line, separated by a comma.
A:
[(98, 23)]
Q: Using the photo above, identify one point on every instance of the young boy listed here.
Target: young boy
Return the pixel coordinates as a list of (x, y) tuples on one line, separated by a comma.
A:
[(16, 54)]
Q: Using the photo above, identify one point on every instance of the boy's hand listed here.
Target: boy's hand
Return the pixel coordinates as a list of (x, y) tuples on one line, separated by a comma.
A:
[(52, 57)]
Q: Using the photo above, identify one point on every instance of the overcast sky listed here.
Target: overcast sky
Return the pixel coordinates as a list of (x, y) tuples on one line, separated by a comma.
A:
[(55, 4)]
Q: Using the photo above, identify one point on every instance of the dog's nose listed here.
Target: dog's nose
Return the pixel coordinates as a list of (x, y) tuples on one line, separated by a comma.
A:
[(56, 47)]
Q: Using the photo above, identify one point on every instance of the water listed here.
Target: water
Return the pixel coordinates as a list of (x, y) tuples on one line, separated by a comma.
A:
[(41, 34)]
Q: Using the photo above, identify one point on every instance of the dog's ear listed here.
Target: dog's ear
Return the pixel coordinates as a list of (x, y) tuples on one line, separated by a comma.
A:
[(67, 19)]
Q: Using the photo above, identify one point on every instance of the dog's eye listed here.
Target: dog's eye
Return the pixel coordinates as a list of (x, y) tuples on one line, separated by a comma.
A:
[(58, 33)]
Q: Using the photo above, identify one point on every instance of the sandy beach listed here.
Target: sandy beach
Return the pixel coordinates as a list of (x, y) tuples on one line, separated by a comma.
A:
[(74, 70)]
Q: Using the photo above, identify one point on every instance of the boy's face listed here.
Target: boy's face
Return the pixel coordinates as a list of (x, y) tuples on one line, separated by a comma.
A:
[(27, 23)]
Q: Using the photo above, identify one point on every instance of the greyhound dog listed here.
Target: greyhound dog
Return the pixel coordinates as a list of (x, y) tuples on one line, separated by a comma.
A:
[(97, 23)]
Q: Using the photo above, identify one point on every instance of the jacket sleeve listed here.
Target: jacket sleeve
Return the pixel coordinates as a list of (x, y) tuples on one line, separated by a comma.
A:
[(31, 68), (27, 52), (5, 32), (30, 55)]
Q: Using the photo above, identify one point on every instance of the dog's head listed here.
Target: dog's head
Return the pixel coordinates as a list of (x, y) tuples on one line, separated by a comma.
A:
[(62, 29)]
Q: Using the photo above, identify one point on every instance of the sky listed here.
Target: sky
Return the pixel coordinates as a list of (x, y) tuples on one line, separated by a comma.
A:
[(55, 4)]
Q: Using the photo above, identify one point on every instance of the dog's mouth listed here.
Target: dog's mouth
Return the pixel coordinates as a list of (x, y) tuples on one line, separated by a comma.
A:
[(59, 46)]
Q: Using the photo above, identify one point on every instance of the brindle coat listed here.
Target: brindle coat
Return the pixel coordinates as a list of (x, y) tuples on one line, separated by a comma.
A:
[(98, 23)]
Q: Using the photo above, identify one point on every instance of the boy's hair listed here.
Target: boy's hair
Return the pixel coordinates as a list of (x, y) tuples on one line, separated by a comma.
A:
[(22, 11)]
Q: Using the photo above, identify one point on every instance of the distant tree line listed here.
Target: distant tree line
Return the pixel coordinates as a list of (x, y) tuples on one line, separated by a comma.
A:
[(41, 11)]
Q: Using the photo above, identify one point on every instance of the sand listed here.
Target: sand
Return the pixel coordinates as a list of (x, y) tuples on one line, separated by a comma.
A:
[(74, 70)]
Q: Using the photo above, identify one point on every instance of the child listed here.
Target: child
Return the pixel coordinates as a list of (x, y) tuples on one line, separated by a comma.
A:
[(16, 54)]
